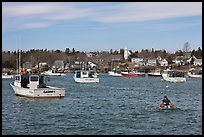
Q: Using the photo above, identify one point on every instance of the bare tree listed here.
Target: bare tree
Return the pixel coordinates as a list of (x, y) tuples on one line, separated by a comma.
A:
[(186, 47)]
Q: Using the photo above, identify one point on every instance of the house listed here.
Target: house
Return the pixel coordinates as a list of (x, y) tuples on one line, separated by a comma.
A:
[(138, 61), (179, 60), (115, 60), (197, 62), (42, 64), (27, 65), (186, 55), (159, 58), (191, 59), (151, 62), (59, 64), (90, 55), (163, 62), (91, 64)]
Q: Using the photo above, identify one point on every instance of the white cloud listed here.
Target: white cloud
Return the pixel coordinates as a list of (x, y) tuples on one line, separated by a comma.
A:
[(35, 25), (28, 9), (41, 13), (144, 11)]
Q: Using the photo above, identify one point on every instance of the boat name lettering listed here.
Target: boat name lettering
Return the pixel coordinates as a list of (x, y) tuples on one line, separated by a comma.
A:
[(49, 91)]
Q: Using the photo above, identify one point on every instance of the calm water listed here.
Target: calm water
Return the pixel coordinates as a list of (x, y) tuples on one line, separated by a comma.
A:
[(116, 105)]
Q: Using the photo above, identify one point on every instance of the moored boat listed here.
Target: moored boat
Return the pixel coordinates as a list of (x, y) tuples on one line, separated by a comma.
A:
[(132, 74), (6, 76), (174, 76), (85, 76), (156, 73), (51, 73), (193, 73), (116, 73), (34, 86)]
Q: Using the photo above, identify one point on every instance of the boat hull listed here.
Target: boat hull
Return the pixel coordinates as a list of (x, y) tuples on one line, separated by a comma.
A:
[(173, 79), (46, 92), (7, 76), (167, 108), (154, 74), (194, 76), (114, 74), (133, 74), (86, 80)]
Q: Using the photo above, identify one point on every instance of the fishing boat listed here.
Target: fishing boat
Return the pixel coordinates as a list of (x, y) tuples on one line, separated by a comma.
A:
[(85, 76), (156, 73), (174, 76), (51, 73), (6, 76), (34, 85), (194, 73), (132, 73), (116, 73)]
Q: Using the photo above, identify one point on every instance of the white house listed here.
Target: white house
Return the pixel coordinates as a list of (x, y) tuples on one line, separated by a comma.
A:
[(91, 64), (151, 62), (138, 61), (197, 62), (163, 62)]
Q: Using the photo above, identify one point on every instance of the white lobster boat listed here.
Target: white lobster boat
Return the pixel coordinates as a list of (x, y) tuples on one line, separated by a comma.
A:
[(6, 76), (174, 76), (51, 73), (116, 73), (193, 73), (33, 85), (85, 76)]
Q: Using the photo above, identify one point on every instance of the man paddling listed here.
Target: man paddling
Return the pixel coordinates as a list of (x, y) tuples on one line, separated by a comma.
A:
[(166, 103)]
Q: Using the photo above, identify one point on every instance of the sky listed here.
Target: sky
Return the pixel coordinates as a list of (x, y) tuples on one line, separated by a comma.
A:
[(101, 26)]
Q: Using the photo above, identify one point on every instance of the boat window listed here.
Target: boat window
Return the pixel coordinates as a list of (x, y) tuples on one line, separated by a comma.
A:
[(18, 78), (34, 78), (84, 73)]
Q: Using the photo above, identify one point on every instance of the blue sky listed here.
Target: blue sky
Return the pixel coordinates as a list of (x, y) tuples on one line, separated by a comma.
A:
[(101, 26)]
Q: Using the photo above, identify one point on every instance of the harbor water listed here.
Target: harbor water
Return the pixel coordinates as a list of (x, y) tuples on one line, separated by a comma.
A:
[(114, 106)]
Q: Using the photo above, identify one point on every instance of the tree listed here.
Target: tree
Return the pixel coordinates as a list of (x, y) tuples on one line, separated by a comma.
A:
[(67, 50), (179, 53), (73, 50), (121, 51), (186, 47), (111, 51), (199, 53)]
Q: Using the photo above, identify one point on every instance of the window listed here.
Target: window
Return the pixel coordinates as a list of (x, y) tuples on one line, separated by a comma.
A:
[(18, 78), (34, 78)]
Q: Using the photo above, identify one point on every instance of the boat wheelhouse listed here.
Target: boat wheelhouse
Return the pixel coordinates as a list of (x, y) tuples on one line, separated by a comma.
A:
[(34, 85), (195, 73), (6, 76), (174, 76), (116, 73), (85, 76)]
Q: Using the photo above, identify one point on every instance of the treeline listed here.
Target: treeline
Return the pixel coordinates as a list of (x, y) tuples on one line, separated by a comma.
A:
[(9, 59)]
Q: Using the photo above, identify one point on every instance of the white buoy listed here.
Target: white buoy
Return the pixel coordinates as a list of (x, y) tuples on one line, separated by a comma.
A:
[(167, 86)]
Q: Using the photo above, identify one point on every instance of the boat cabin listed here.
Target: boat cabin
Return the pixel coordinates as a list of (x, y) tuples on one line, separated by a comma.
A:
[(29, 81), (174, 73), (196, 72), (84, 74)]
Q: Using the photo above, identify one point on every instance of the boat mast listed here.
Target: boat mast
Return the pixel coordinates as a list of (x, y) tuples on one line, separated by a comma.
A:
[(19, 60)]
